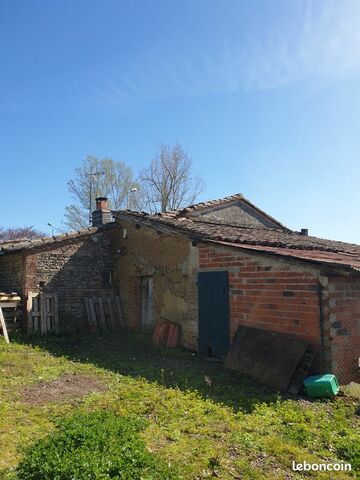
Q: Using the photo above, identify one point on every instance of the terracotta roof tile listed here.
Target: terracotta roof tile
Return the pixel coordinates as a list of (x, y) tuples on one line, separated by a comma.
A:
[(187, 212), (16, 246), (276, 241)]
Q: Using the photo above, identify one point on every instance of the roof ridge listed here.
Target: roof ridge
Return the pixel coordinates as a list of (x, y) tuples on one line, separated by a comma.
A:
[(38, 242), (204, 204)]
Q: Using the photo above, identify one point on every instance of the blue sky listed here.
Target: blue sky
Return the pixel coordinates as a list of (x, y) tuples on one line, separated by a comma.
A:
[(264, 95)]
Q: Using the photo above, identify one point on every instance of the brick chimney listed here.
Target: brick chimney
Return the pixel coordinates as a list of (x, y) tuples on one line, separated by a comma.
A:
[(102, 214)]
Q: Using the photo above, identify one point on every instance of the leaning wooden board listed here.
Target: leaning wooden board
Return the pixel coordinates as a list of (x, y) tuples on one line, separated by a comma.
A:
[(3, 326), (104, 312)]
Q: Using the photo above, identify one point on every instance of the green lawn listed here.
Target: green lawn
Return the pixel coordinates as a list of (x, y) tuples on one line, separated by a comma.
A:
[(203, 419)]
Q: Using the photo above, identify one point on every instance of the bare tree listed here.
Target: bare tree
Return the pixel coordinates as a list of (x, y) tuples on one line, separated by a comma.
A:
[(99, 177), (8, 234), (168, 183)]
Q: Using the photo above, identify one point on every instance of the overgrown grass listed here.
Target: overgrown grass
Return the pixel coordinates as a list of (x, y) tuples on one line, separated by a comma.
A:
[(93, 446), (201, 418)]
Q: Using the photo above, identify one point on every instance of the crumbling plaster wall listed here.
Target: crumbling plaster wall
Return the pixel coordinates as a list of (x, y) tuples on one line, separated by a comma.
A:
[(172, 261)]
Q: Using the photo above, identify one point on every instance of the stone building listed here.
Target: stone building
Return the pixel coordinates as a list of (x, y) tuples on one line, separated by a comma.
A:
[(73, 265), (210, 268)]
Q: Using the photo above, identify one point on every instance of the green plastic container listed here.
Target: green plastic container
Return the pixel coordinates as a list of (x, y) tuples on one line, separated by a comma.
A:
[(320, 386)]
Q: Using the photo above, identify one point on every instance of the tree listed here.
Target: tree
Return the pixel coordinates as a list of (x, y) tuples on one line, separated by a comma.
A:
[(168, 183), (94, 178), (8, 234)]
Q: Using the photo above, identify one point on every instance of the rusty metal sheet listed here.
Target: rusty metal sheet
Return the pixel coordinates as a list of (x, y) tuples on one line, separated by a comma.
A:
[(269, 358)]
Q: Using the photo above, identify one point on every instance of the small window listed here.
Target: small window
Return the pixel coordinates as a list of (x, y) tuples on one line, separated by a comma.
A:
[(107, 278)]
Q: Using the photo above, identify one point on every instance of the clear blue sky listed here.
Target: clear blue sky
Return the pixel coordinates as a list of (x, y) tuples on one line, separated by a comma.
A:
[(264, 95)]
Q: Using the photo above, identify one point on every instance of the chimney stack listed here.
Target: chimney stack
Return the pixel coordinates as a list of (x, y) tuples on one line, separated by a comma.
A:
[(102, 214)]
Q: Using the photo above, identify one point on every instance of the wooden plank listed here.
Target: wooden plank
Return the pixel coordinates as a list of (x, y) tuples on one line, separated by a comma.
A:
[(43, 326), (3, 326), (9, 298), (119, 311), (102, 313), (56, 314), (29, 322), (8, 304), (88, 312), (47, 311), (111, 312), (92, 312)]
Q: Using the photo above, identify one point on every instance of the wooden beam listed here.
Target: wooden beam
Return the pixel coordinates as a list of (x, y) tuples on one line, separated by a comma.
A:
[(43, 326), (119, 311), (93, 313), (29, 323), (88, 312), (56, 313), (111, 312), (3, 326), (102, 313)]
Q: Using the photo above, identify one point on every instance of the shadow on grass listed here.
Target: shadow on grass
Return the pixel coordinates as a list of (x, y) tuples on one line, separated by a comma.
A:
[(131, 353)]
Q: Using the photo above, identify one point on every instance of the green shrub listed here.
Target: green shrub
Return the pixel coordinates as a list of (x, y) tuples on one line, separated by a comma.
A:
[(94, 446)]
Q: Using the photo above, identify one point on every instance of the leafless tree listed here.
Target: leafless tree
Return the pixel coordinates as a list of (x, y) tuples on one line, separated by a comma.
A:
[(99, 177), (168, 182), (8, 234)]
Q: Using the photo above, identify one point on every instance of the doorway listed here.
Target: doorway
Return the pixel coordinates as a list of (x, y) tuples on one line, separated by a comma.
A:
[(213, 302), (147, 314)]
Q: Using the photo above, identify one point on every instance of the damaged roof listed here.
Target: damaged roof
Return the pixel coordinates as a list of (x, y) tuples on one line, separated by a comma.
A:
[(274, 241), (25, 244)]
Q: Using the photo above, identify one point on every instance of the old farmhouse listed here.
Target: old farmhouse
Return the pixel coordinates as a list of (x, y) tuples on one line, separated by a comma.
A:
[(209, 268)]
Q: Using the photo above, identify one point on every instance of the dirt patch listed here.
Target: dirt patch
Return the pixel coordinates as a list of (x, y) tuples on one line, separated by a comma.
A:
[(64, 388)]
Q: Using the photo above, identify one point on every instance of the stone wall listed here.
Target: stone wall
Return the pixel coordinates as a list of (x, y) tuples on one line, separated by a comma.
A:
[(73, 270), (172, 262), (12, 273), (237, 213)]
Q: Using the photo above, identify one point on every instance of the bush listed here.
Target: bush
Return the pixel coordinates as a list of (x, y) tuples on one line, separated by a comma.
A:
[(94, 446)]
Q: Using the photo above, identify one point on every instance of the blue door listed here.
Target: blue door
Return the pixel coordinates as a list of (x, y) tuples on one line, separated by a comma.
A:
[(213, 298)]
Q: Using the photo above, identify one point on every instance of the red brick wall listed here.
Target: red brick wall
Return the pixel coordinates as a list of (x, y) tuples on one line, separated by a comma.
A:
[(268, 294), (343, 323)]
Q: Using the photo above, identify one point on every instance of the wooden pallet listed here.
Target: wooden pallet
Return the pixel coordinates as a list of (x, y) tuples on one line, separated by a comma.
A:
[(104, 313), (42, 313)]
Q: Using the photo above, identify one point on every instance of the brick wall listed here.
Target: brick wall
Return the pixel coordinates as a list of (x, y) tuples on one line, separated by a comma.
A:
[(343, 327), (267, 293)]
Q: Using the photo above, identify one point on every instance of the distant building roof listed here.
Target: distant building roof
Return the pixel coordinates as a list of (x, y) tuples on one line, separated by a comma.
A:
[(248, 214)]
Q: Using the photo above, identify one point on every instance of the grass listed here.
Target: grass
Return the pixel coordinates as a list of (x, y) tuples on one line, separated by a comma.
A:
[(202, 419)]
